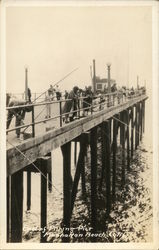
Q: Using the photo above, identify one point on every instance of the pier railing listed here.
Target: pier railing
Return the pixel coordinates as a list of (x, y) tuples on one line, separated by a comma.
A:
[(99, 102)]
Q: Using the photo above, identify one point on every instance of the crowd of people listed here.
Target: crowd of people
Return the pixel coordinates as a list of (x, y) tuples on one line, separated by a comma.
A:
[(78, 102)]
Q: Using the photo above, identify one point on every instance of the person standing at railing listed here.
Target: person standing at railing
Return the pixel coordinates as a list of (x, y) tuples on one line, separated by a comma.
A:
[(58, 93), (87, 101), (48, 98), (70, 104), (29, 95), (19, 113)]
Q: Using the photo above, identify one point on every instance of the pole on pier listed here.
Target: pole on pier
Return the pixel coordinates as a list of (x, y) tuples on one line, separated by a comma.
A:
[(43, 215), (132, 131), (66, 151), (122, 134), (128, 142), (93, 146), (108, 196), (16, 220), (115, 124), (94, 76)]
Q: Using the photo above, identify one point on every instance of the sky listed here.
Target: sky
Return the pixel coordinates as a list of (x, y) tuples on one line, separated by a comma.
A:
[(53, 41)]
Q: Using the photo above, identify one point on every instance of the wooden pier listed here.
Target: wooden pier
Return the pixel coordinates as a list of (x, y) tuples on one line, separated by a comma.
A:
[(34, 155)]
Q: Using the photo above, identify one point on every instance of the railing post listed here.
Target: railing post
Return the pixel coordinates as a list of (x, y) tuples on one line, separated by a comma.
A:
[(60, 103), (33, 120)]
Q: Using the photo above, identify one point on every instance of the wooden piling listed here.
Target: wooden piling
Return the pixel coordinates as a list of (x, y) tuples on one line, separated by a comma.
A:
[(9, 209), (49, 171), (132, 131), (79, 171), (66, 151), (108, 195), (28, 190), (93, 146), (128, 142), (43, 214), (103, 154), (138, 123), (115, 124), (143, 119), (136, 127), (75, 153), (122, 130), (17, 206)]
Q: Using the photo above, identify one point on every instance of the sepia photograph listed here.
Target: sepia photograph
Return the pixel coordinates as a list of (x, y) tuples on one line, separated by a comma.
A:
[(79, 125)]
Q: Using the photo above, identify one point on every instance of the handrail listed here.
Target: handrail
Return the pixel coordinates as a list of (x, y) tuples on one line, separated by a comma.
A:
[(107, 103)]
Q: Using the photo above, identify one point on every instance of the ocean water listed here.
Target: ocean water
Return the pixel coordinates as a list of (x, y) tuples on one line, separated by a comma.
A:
[(131, 217)]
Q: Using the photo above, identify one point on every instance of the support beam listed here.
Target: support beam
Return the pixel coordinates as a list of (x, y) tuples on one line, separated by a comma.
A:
[(17, 206), (28, 190), (75, 153), (49, 170), (138, 123), (122, 130), (136, 127), (128, 142), (143, 116), (108, 194), (141, 121), (43, 214), (9, 209), (132, 131), (103, 154), (66, 151), (93, 145), (79, 169), (115, 125)]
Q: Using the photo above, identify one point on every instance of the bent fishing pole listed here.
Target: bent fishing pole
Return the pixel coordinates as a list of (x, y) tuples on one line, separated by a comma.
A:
[(57, 83)]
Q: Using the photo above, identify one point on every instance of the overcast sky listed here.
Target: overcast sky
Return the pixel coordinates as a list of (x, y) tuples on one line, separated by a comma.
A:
[(52, 41)]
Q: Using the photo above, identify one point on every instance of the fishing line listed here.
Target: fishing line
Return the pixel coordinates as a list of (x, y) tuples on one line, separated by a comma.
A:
[(33, 165)]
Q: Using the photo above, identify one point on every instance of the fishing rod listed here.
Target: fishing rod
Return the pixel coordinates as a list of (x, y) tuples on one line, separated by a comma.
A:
[(46, 91), (57, 83)]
